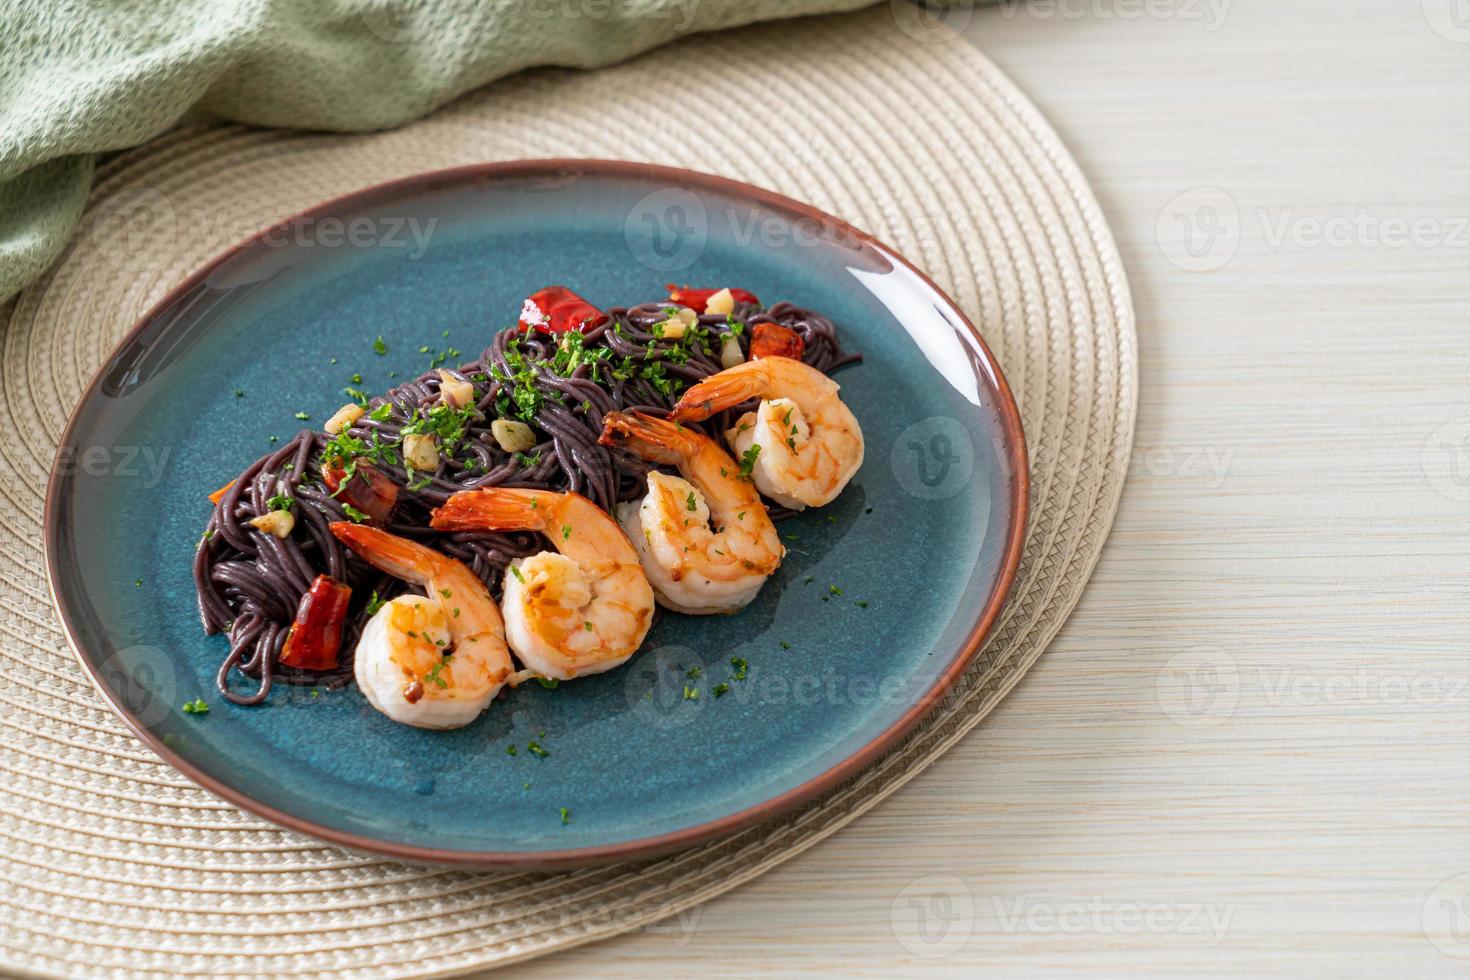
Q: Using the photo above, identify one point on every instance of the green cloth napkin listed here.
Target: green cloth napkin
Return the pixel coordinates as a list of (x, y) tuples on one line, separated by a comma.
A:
[(79, 77)]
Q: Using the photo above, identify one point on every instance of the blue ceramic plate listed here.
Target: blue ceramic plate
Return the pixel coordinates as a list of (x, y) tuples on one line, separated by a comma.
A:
[(922, 545)]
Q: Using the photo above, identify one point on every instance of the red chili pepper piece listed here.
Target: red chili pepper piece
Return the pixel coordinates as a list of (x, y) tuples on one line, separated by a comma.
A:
[(774, 340), (556, 309), (697, 299), (316, 635), (368, 490)]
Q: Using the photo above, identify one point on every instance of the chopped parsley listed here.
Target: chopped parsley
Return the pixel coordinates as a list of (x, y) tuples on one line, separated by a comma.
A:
[(720, 689), (510, 750), (785, 645), (689, 501), (691, 693), (566, 815), (447, 425), (834, 590), (303, 416), (748, 458), (694, 672), (374, 603), (741, 668), (517, 573), (535, 749), (379, 347), (566, 532), (357, 516), (280, 502), (433, 676), (196, 707), (547, 682)]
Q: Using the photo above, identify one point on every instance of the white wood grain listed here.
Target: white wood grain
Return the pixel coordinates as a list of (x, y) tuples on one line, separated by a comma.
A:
[(1281, 524)]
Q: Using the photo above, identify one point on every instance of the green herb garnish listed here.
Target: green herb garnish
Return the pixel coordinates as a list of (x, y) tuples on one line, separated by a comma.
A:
[(433, 675), (747, 460)]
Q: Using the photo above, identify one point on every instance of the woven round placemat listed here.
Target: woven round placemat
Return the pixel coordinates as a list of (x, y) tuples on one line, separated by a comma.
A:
[(113, 864)]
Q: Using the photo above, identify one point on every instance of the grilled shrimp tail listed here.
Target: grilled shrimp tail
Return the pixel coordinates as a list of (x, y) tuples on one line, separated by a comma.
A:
[(495, 508), (654, 439), (399, 557), (717, 393)]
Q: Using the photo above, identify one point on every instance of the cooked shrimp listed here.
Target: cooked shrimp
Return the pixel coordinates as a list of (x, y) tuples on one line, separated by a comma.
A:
[(806, 443), (693, 568), (581, 609), (430, 661)]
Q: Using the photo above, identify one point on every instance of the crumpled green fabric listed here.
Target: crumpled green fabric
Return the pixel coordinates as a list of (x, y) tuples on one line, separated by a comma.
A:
[(80, 77)]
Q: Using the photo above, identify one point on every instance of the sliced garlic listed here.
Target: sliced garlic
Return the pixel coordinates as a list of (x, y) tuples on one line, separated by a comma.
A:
[(678, 322), (514, 437), (721, 303), (345, 418), (730, 353), (277, 522), (456, 391), (421, 452)]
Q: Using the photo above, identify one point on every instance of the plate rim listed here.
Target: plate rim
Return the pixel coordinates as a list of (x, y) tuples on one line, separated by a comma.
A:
[(644, 847)]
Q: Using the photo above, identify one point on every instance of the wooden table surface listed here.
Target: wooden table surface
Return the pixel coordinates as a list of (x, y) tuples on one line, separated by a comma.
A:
[(1249, 748)]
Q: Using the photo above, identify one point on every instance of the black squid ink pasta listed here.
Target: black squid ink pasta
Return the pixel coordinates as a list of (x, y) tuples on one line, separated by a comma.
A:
[(556, 387)]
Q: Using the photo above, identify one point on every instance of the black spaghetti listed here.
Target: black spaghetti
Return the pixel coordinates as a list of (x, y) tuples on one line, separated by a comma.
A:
[(526, 413)]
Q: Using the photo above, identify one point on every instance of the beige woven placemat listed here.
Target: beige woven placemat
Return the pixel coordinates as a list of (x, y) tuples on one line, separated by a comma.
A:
[(112, 864)]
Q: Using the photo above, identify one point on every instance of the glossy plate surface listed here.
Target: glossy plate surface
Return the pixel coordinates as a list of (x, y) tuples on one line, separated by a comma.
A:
[(922, 545)]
